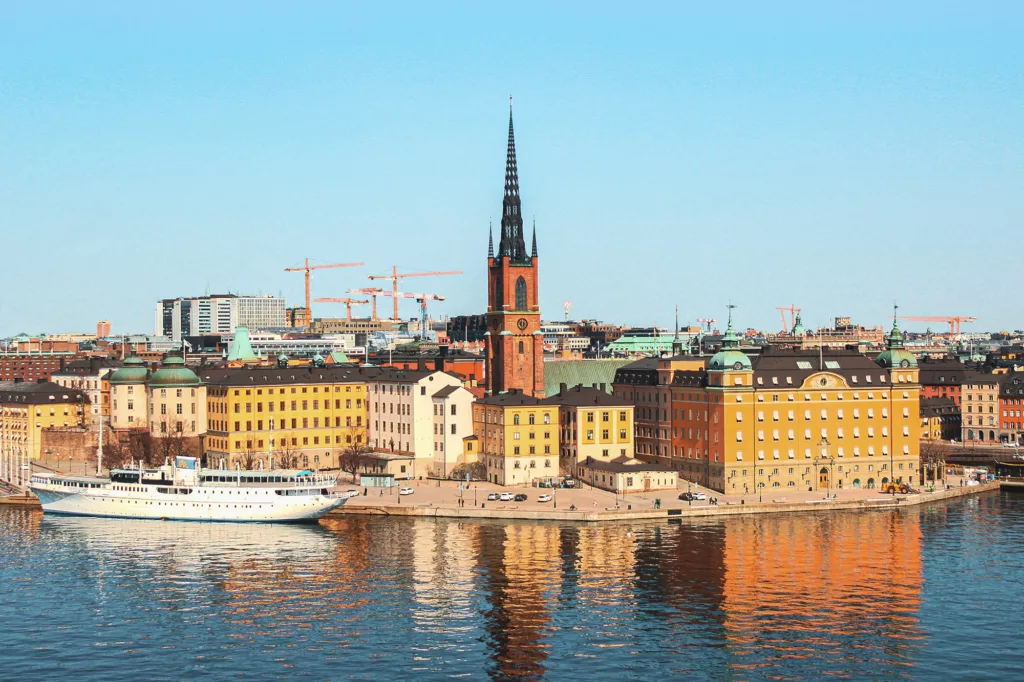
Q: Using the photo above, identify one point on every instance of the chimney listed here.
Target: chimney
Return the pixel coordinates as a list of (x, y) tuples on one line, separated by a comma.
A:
[(421, 364), (41, 380), (601, 386), (563, 388), (442, 350)]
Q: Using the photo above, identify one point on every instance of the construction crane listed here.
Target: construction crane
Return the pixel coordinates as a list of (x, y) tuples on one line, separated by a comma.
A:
[(307, 268), (952, 320), (420, 298), (349, 302), (707, 322), (373, 294), (394, 277), (793, 312)]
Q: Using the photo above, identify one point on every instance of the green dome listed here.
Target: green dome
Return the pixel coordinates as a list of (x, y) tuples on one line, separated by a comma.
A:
[(730, 357), (132, 371), (895, 355), (173, 372)]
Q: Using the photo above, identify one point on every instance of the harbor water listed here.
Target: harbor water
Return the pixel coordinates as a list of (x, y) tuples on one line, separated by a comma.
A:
[(930, 593)]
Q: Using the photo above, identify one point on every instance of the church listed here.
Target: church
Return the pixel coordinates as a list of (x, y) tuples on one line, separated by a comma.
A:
[(514, 343)]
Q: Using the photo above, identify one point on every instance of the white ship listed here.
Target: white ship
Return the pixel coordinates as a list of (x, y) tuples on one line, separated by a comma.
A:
[(185, 492)]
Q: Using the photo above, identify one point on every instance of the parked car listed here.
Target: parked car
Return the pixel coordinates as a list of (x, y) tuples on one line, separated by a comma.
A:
[(521, 497), (405, 491), (700, 496), (544, 498), (351, 493), (506, 497), (686, 497), (492, 497)]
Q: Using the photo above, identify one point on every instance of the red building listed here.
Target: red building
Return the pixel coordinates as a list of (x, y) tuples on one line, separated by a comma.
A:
[(32, 366), (1011, 408), (942, 378), (514, 342)]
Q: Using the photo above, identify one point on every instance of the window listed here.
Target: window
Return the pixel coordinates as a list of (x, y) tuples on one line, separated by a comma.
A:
[(521, 298)]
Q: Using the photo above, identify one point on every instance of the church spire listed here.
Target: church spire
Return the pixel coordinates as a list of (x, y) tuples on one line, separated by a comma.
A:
[(512, 244), (490, 240), (533, 253)]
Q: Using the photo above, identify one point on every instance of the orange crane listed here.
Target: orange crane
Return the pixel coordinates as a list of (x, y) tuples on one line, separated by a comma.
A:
[(307, 268), (373, 294), (952, 320), (707, 321), (349, 302), (793, 312), (421, 299), (394, 277)]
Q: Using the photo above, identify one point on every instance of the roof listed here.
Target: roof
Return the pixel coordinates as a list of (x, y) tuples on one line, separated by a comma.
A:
[(941, 372), (446, 391), (263, 376), (509, 399), (1012, 385), (581, 396), (38, 393), (793, 366), (581, 373), (623, 465), (173, 372), (642, 372), (934, 407)]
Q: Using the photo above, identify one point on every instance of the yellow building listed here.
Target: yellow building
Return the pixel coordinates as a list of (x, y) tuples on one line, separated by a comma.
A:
[(299, 416), (797, 420), (517, 437), (592, 424), (26, 409)]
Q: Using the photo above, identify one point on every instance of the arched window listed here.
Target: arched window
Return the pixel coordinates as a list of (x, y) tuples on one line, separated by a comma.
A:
[(515, 419), (499, 295), (521, 348), (533, 419), (520, 294)]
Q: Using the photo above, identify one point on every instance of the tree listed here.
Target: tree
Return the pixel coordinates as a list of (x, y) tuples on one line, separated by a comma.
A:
[(353, 457), (477, 472), (248, 459), (287, 456)]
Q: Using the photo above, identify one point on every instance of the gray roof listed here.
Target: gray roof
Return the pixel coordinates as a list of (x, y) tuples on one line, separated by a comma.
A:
[(38, 393), (582, 396)]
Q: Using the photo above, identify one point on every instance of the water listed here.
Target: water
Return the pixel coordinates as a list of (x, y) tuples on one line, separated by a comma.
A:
[(925, 593)]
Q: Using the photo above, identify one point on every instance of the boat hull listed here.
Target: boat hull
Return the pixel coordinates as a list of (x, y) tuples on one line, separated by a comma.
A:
[(216, 505)]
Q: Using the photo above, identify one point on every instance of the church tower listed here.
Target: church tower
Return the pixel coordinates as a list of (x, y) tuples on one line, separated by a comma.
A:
[(514, 341)]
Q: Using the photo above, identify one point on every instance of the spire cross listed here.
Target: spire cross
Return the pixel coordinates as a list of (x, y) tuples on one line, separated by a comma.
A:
[(730, 307)]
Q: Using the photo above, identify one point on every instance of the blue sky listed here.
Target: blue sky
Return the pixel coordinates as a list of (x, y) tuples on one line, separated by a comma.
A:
[(779, 153)]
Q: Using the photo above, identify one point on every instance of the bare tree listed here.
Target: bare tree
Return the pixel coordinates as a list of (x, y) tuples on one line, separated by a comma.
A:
[(287, 456), (353, 457), (477, 472)]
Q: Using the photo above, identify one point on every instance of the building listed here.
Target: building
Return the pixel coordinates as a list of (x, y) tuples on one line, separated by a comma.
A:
[(423, 355), (979, 407), (408, 409), (598, 374), (591, 425), (1011, 408), (940, 419), (168, 403), (27, 408), (466, 328), (288, 416), (31, 367), (624, 475), (647, 384), (514, 342), (218, 314), (786, 418), (942, 378), (102, 329), (90, 376), (517, 437)]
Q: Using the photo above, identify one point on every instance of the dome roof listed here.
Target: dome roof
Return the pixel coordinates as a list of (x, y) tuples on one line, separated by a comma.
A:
[(132, 371), (895, 355), (173, 372), (730, 357)]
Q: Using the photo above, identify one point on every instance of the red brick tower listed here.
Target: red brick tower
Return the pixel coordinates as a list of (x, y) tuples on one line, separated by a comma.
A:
[(515, 344)]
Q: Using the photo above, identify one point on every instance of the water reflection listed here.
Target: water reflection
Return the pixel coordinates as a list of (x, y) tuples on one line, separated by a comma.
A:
[(795, 597)]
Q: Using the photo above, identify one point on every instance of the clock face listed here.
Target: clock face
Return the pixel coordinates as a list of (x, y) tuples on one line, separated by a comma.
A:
[(522, 323)]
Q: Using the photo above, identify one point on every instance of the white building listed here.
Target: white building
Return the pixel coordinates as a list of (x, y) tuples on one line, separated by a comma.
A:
[(421, 413), (217, 314), (87, 376)]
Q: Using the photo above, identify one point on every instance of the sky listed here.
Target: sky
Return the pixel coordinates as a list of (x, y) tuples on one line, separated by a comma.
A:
[(833, 156)]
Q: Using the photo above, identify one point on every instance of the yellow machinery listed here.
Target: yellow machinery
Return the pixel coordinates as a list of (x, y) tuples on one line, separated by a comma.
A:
[(892, 488)]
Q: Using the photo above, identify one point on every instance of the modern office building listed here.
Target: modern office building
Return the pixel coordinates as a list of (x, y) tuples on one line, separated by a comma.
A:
[(218, 314)]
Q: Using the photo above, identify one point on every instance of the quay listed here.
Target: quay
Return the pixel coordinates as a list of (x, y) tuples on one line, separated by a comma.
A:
[(440, 502)]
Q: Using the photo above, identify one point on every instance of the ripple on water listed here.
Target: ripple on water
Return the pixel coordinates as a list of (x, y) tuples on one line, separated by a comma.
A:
[(923, 593)]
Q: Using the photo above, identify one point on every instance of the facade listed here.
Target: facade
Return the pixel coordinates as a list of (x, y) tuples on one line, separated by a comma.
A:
[(405, 417), (102, 329), (787, 418), (942, 379), (31, 367), (442, 358), (513, 340), (466, 328), (26, 410), (1011, 408), (517, 438), (218, 314), (90, 376), (940, 419), (592, 425), (979, 408), (167, 402), (646, 384), (297, 416), (624, 475)]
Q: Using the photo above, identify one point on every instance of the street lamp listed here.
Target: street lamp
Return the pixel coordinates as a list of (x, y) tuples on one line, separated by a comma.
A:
[(823, 456)]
